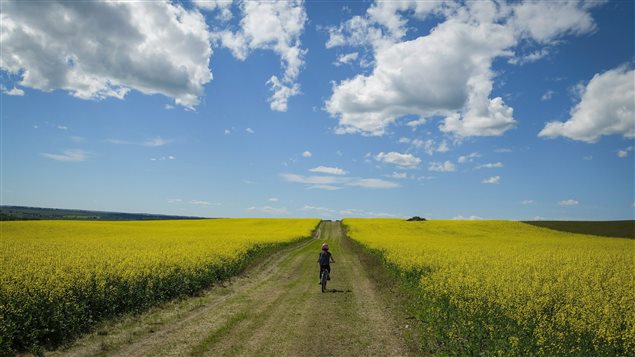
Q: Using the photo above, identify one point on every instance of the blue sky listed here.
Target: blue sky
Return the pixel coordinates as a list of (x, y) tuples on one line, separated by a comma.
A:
[(495, 110)]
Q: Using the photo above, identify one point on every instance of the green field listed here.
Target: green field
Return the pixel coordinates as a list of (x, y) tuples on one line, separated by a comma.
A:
[(623, 229)]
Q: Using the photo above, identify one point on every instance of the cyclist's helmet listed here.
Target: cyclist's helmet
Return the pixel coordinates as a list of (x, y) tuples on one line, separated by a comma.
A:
[(325, 246)]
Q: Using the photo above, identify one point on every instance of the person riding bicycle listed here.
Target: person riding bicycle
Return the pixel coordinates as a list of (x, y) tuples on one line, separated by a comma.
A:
[(325, 260)]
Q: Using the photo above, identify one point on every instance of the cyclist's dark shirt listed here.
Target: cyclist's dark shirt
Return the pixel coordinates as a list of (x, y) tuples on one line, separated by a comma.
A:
[(325, 258)]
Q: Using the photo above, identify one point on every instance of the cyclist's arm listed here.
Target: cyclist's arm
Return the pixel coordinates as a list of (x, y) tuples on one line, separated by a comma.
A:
[(332, 260)]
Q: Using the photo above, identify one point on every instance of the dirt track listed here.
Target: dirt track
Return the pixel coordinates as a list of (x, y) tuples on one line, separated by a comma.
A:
[(274, 308)]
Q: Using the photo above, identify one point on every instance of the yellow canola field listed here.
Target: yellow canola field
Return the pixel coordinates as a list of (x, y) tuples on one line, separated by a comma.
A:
[(59, 277), (500, 287)]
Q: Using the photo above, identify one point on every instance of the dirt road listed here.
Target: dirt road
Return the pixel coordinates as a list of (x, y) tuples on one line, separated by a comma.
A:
[(275, 308)]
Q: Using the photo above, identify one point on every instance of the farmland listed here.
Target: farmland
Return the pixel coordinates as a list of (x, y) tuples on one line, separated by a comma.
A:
[(60, 277), (510, 288)]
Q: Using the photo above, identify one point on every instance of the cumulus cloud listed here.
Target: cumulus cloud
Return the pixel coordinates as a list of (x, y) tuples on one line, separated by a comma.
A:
[(307, 154), (399, 159), (568, 203), (73, 155), (13, 91), (222, 6), (494, 180), (96, 50), (607, 107), (468, 158), (491, 165), (624, 152), (275, 26), (446, 166), (328, 170), (250, 131), (346, 58), (273, 199), (548, 95), (447, 72)]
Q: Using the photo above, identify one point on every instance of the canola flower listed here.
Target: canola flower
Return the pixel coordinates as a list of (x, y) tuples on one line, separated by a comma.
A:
[(58, 278), (509, 288)]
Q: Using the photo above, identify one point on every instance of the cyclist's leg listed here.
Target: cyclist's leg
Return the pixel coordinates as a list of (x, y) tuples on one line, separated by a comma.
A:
[(328, 269)]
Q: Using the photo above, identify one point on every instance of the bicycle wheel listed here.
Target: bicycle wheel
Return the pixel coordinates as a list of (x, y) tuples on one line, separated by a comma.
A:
[(323, 280)]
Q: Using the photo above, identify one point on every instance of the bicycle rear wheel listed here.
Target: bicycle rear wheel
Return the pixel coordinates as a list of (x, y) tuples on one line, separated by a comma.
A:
[(323, 280)]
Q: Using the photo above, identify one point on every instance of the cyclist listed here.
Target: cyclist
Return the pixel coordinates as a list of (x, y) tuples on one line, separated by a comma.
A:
[(325, 260)]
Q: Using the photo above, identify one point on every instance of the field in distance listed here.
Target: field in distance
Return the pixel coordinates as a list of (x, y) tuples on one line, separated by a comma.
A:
[(60, 277), (510, 288), (22, 213)]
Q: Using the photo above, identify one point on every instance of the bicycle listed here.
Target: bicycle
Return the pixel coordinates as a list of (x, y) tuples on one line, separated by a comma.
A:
[(324, 277)]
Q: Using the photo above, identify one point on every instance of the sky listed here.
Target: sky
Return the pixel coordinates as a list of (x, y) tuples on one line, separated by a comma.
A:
[(514, 110)]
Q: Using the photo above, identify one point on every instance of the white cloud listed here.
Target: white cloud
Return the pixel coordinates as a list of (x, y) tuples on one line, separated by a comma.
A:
[(313, 180), (548, 95), (448, 71), (415, 123), (203, 203), (174, 200), (531, 57), (275, 26), (361, 213), (442, 166), (156, 142), (624, 152), (468, 158), (269, 210), (222, 6), (607, 107), (227, 132), (526, 202), (346, 58), (319, 210), (250, 131), (568, 203), (307, 154), (503, 150), (395, 158), (325, 187), (328, 170), (469, 218), (545, 21), (373, 183), (168, 107), (335, 182), (399, 175), (590, 157), (74, 155), (62, 127), (13, 91), (96, 50), (273, 199), (443, 147), (494, 180), (491, 165), (163, 158)]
